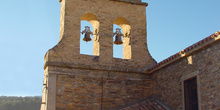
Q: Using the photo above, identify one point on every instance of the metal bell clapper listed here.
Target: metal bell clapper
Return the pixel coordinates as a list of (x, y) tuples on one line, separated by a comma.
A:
[(118, 36), (87, 34)]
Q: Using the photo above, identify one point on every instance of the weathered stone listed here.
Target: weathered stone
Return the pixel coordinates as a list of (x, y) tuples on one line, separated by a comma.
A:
[(82, 82), (170, 76)]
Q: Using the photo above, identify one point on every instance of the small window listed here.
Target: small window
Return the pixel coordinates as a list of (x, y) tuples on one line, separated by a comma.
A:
[(190, 94)]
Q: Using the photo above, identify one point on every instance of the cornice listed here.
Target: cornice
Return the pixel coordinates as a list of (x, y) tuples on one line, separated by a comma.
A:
[(92, 67), (132, 2), (128, 1)]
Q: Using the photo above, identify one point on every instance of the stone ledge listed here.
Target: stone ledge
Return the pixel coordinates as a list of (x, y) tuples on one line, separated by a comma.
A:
[(137, 2), (128, 1), (96, 67)]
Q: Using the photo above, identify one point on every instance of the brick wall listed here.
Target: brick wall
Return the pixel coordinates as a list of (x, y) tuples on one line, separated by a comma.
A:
[(90, 90), (206, 62), (72, 80)]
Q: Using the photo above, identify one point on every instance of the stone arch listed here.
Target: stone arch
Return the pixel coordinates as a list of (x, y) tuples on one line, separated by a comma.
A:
[(125, 26), (95, 24)]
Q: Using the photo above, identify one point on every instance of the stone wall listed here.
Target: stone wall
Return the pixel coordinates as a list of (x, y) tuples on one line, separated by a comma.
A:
[(83, 82), (73, 80), (102, 14), (205, 64), (80, 89)]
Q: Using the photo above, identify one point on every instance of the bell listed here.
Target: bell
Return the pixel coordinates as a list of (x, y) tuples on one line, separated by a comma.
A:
[(118, 36), (87, 37), (118, 40), (87, 34)]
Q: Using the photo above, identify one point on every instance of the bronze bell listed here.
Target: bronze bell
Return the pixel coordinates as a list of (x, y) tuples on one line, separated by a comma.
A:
[(87, 34), (87, 37), (118, 36), (118, 40)]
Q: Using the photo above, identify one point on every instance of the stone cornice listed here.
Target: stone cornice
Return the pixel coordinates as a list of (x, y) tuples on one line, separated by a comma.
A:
[(186, 52), (130, 1), (97, 67)]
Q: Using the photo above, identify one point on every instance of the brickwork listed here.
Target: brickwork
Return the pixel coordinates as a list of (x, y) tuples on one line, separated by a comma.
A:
[(206, 62), (82, 82), (89, 90)]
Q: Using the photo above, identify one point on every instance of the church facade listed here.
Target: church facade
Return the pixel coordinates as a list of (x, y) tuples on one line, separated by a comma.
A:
[(188, 80)]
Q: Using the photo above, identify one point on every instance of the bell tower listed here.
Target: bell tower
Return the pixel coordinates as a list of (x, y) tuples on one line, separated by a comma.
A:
[(85, 82)]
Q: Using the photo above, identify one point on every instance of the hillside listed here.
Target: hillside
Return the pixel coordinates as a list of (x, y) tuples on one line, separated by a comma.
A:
[(20, 103)]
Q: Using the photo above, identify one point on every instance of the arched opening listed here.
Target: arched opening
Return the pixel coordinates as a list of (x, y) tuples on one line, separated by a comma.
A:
[(123, 24), (89, 47), (86, 47), (117, 48)]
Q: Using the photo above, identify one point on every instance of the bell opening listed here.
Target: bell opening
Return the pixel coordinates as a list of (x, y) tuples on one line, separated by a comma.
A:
[(86, 43), (117, 43), (125, 42), (89, 43)]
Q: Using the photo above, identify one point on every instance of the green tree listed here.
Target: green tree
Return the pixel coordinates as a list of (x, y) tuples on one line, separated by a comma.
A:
[(20, 103)]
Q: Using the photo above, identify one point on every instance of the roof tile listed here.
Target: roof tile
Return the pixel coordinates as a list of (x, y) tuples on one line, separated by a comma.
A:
[(149, 104), (186, 50)]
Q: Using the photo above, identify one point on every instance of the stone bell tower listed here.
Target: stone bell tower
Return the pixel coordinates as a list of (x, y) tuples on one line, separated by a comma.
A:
[(73, 81)]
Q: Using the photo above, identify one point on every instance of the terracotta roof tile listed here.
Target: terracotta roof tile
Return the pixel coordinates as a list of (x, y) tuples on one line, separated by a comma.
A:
[(184, 51), (149, 104)]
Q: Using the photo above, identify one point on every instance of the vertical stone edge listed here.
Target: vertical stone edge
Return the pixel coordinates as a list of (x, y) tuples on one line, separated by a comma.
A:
[(62, 18), (44, 90), (51, 101)]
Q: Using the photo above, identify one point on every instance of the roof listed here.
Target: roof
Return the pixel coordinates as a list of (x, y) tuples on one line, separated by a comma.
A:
[(149, 104), (187, 51)]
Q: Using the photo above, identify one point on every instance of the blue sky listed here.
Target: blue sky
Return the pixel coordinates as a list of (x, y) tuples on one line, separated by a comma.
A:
[(28, 28)]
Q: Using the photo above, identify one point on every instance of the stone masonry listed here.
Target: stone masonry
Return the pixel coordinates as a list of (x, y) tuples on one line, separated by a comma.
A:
[(73, 81), (204, 64), (93, 90)]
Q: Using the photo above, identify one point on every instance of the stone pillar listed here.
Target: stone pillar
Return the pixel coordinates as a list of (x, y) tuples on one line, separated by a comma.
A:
[(106, 41), (51, 101)]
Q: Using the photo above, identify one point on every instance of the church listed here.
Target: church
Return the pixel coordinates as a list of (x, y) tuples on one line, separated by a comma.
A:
[(187, 80)]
